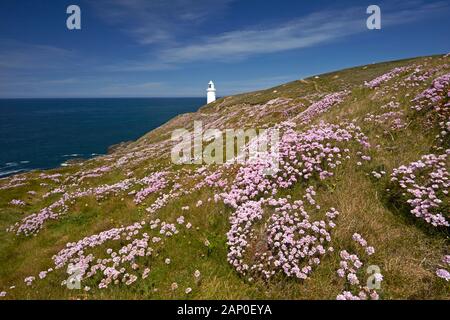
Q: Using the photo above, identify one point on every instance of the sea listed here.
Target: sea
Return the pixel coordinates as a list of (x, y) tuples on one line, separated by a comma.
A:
[(45, 133)]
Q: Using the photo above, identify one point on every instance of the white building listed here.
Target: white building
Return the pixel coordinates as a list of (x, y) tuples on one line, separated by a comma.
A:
[(211, 92)]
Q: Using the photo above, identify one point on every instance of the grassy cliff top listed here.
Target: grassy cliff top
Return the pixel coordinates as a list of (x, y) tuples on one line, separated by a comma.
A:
[(133, 225)]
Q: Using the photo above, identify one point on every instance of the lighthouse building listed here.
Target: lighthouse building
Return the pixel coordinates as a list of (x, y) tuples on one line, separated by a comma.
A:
[(211, 92)]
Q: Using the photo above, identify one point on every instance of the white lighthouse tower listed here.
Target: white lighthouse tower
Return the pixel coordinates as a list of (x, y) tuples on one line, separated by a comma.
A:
[(211, 92)]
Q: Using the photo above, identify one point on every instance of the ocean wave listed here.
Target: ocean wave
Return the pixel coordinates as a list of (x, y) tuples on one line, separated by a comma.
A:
[(10, 172), (72, 155), (11, 164)]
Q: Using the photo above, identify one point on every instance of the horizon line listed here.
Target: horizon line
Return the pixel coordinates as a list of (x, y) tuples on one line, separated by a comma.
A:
[(93, 97)]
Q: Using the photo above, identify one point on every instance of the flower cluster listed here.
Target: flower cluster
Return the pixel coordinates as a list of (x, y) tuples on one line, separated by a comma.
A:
[(14, 182), (155, 182), (162, 201), (419, 75), (431, 97), (437, 100), (34, 222), (425, 184), (296, 242), (301, 155), (392, 120), (53, 177), (444, 273), (74, 249), (29, 280), (214, 180), (94, 173), (321, 106), (16, 202), (378, 175), (361, 241), (242, 222), (119, 266), (349, 265), (291, 243), (385, 77), (103, 191), (54, 191)]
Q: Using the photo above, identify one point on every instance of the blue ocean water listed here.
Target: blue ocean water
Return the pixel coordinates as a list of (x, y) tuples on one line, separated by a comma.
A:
[(44, 133)]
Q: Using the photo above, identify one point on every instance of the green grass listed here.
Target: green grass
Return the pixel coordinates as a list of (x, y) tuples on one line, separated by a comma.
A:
[(406, 250)]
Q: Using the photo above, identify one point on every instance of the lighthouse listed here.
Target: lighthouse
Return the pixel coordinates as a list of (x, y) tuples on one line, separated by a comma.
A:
[(211, 92)]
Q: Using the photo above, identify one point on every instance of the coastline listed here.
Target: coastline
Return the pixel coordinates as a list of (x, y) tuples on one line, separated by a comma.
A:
[(56, 133)]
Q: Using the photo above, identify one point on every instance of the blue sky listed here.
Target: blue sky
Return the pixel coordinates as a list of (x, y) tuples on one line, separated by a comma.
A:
[(162, 48)]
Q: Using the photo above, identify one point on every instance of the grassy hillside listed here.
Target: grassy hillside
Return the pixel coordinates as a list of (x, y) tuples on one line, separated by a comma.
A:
[(133, 225)]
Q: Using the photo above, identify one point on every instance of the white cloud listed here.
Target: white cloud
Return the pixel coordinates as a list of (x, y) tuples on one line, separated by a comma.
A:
[(36, 69), (158, 21), (18, 55), (311, 30), (136, 90)]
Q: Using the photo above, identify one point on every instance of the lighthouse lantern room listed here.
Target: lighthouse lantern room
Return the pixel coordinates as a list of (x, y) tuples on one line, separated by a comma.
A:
[(211, 92)]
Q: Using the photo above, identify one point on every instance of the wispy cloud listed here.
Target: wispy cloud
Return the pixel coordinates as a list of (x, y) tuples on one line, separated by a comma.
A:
[(80, 87), (314, 29), (133, 90), (311, 30), (165, 35), (19, 55), (158, 21)]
